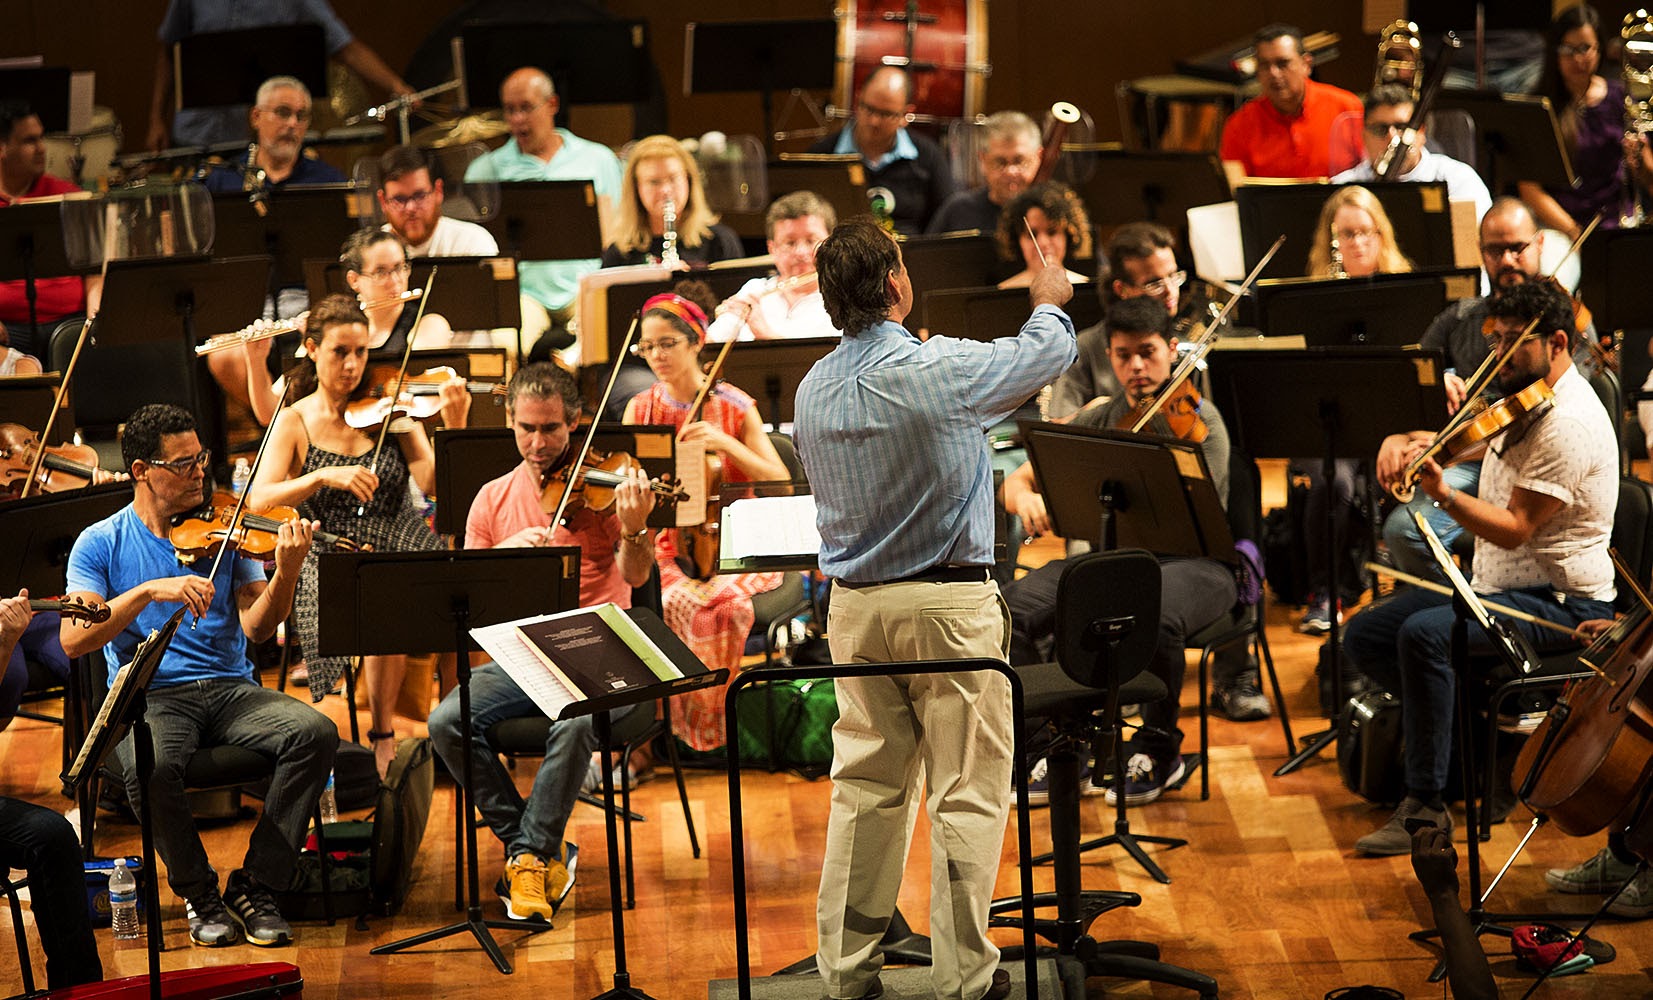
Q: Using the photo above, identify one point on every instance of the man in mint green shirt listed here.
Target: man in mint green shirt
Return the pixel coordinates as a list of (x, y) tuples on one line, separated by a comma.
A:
[(539, 151)]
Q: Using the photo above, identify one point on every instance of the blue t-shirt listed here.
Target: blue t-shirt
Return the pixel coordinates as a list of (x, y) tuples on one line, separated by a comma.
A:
[(119, 553)]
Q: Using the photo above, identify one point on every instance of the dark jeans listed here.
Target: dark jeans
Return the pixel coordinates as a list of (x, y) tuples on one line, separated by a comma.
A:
[(43, 843), (1193, 593), (1404, 643), (185, 717), (1343, 493)]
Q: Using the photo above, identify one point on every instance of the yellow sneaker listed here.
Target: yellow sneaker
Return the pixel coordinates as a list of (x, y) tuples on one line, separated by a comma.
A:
[(559, 876), (524, 895)]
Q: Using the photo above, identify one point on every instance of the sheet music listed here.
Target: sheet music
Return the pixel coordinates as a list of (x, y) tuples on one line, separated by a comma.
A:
[(1214, 239), (691, 475), (508, 648), (102, 720), (770, 526)]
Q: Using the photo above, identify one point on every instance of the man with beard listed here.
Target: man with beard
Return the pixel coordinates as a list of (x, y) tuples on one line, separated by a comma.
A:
[(279, 120), (412, 198), (1542, 524), (1511, 244)]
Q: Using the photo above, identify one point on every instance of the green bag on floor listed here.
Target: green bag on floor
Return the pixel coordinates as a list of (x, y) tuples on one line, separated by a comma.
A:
[(803, 713)]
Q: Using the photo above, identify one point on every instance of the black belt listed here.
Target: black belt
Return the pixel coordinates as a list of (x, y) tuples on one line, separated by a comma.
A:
[(937, 574)]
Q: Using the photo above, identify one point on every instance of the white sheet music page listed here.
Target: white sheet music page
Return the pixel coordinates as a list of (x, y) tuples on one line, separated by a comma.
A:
[(770, 526), (507, 647), (691, 475)]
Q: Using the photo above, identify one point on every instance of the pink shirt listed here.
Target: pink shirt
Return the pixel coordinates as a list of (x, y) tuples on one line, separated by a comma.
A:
[(507, 505)]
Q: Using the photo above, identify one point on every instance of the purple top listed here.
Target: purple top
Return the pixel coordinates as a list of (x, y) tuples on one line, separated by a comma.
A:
[(1598, 162)]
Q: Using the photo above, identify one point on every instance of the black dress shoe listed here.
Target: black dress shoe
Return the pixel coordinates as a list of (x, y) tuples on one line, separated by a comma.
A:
[(1000, 988)]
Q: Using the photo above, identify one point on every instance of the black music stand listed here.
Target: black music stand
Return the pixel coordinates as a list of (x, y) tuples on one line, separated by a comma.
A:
[(525, 205), (220, 68), (1517, 135), (31, 247), (127, 712), (478, 293), (420, 602), (40, 530), (1421, 213), (940, 261), (298, 224), (772, 369), (46, 89), (468, 458), (1154, 186), (840, 183), (765, 56), (1383, 310), (27, 400), (1614, 280), (990, 313), (589, 62), (624, 300), (1340, 402)]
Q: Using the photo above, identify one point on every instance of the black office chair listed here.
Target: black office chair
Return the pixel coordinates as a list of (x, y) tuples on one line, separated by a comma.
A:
[(1107, 627)]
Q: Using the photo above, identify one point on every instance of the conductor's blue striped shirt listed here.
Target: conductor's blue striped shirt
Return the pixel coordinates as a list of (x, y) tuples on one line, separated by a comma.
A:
[(892, 432)]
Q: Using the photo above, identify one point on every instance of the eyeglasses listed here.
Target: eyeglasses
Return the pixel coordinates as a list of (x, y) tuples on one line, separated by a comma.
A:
[(1010, 163), (386, 273), (797, 246), (1570, 51), (1380, 130), (285, 114), (521, 110), (660, 346), (407, 201), (880, 114), (183, 466), (1160, 286), (1350, 235), (1498, 250)]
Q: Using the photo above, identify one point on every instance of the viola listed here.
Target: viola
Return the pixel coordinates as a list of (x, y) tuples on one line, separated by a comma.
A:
[(64, 467), (1180, 409), (1468, 441), (75, 608), (200, 533), (593, 487), (1585, 763), (420, 398)]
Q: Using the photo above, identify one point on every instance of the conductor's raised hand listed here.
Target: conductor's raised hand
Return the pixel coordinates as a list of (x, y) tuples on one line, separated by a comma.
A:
[(1051, 287)]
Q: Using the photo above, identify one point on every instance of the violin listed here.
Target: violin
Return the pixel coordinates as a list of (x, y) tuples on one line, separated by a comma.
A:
[(1468, 440), (700, 542), (593, 487), (1180, 409), (74, 608), (200, 533), (64, 467), (420, 398)]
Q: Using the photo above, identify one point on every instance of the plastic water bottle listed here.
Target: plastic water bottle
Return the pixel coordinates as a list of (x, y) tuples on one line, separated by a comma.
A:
[(123, 903), (329, 803), (241, 476)]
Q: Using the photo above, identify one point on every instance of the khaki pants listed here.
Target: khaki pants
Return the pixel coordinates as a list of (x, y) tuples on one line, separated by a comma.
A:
[(952, 731)]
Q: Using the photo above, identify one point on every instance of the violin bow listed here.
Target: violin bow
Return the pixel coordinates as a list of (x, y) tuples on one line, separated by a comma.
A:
[(1439, 588), (712, 375), (1203, 345), (591, 430), (109, 229), (401, 378), (241, 501)]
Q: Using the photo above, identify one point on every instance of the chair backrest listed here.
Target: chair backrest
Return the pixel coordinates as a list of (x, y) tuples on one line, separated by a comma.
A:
[(1630, 526), (789, 455), (1107, 616), (125, 377), (1245, 497)]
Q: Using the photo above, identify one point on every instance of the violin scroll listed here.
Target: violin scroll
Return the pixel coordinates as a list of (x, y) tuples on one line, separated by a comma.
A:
[(74, 608)]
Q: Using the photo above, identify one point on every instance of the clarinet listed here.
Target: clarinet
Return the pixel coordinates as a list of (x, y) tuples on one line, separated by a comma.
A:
[(668, 242), (252, 180)]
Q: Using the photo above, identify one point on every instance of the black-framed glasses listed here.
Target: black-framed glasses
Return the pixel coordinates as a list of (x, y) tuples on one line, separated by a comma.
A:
[(183, 466), (1497, 250), (407, 201)]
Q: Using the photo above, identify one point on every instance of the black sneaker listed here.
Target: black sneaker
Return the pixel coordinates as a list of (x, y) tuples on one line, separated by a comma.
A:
[(253, 905), (210, 923), (1241, 699), (1153, 759)]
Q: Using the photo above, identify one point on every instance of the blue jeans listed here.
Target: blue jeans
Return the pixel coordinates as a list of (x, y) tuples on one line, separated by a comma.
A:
[(1404, 643), (186, 717), (535, 825), (42, 842), (1400, 533)]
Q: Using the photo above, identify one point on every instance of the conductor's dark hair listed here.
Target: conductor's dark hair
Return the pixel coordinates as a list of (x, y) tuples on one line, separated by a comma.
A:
[(1269, 32), (141, 437), (852, 264), (544, 380), (12, 111), (1141, 314), (1541, 299)]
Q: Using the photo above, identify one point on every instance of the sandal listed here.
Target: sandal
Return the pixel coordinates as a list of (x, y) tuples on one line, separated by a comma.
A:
[(384, 750)]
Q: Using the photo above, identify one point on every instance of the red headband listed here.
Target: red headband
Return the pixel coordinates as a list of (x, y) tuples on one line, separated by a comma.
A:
[(680, 307)]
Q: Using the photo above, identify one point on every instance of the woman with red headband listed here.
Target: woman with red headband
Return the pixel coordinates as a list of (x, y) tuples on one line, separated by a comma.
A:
[(712, 616)]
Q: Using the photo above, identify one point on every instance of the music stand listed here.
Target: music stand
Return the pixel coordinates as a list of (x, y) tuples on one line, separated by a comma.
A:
[(468, 458), (299, 224), (989, 313), (477, 293), (935, 262), (219, 68), (1383, 310), (589, 62), (1340, 402), (1517, 135), (771, 370), (624, 299), (840, 183), (1421, 213), (421, 602), (27, 400), (48, 90), (765, 56), (40, 530), (1614, 280), (125, 709), (1153, 186), (31, 247)]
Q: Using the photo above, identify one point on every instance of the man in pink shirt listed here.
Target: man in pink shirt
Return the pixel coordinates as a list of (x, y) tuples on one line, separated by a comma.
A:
[(1286, 131), (542, 406)]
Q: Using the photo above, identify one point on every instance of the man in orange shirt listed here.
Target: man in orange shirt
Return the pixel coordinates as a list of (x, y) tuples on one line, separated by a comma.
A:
[(1287, 130)]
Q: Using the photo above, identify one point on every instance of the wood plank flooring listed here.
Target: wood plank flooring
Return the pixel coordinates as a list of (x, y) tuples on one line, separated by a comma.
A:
[(1268, 897)]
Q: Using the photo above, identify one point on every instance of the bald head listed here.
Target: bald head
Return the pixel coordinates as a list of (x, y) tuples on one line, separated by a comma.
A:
[(1511, 243), (529, 103), (882, 110)]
